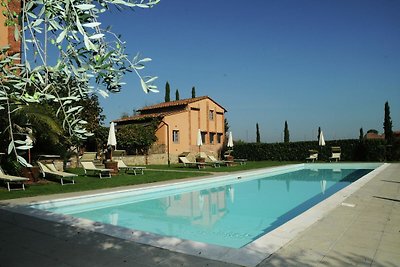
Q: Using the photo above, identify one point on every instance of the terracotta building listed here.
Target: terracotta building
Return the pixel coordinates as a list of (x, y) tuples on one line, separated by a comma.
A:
[(180, 122)]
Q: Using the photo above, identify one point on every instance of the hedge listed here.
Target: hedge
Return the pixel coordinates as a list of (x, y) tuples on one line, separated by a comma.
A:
[(351, 150)]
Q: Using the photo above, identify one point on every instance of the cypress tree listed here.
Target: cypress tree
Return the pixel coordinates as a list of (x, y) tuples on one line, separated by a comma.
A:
[(167, 93), (193, 92), (319, 133), (258, 138), (387, 125), (176, 94), (286, 135), (361, 134)]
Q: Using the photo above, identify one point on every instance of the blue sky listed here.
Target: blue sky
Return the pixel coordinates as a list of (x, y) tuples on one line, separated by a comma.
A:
[(331, 64)]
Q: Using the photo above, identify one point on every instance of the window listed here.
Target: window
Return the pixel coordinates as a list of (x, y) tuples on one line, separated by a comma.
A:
[(203, 137), (212, 136), (211, 115), (219, 138), (175, 136)]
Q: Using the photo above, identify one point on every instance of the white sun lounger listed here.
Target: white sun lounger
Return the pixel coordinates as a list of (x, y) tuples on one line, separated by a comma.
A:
[(89, 166), (313, 156), (50, 169), (218, 163), (188, 163), (12, 179), (126, 168)]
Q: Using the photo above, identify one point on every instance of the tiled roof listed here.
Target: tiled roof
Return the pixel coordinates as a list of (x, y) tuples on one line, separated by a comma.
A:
[(146, 116), (374, 136), (175, 103), (160, 111)]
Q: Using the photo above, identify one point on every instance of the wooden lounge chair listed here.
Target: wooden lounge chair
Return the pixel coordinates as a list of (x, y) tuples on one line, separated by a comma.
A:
[(88, 156), (336, 153), (12, 179), (89, 166), (220, 162), (313, 156), (50, 169), (187, 163), (126, 168)]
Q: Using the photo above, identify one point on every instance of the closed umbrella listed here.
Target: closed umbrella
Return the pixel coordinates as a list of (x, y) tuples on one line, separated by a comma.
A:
[(230, 140), (321, 141), (199, 140), (112, 140)]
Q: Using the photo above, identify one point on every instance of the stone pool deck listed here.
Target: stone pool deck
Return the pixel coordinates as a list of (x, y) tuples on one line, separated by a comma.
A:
[(364, 231)]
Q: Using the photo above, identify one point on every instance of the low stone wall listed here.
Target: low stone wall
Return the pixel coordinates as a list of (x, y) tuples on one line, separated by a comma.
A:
[(156, 159)]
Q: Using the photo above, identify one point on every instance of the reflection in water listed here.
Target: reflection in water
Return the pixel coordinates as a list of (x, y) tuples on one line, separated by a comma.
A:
[(230, 215), (203, 207)]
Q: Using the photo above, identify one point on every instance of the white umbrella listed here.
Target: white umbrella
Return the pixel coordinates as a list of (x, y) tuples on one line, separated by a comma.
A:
[(112, 140), (199, 140), (321, 141), (230, 140)]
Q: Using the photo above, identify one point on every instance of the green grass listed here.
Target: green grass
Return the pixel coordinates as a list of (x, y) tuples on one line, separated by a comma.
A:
[(153, 173)]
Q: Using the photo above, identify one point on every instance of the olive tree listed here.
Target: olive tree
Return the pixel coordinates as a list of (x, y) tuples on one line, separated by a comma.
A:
[(86, 58)]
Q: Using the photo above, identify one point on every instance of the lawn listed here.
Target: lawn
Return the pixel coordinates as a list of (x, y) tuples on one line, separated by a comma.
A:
[(153, 173)]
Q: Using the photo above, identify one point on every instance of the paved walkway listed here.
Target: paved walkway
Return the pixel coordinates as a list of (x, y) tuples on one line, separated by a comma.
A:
[(364, 233)]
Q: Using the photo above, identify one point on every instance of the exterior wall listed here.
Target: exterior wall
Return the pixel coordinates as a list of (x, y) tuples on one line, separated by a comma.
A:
[(3, 29), (199, 119), (188, 123)]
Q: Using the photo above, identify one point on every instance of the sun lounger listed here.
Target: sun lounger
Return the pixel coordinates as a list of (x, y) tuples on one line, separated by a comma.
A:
[(89, 166), (50, 169), (88, 156), (126, 168), (313, 156), (187, 163), (241, 161), (220, 162), (336, 153), (12, 179)]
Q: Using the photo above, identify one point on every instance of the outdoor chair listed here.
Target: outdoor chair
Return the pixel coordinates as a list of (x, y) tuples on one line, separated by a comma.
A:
[(12, 179), (313, 156), (336, 153), (50, 169), (241, 161), (88, 156), (218, 163), (89, 166), (126, 168), (187, 163)]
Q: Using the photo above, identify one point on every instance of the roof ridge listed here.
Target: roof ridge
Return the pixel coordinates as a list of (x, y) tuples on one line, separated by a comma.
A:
[(174, 103)]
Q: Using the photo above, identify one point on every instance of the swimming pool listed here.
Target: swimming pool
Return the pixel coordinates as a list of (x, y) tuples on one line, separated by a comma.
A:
[(229, 211)]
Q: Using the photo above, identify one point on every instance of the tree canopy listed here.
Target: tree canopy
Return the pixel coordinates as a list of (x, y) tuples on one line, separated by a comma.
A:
[(67, 55)]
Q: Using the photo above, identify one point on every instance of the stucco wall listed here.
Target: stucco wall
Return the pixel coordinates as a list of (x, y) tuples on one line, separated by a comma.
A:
[(188, 123)]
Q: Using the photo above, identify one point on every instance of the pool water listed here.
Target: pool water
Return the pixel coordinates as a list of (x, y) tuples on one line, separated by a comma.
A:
[(230, 213)]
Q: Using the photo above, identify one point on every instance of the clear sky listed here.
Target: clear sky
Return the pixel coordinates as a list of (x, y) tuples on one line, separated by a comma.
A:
[(329, 63)]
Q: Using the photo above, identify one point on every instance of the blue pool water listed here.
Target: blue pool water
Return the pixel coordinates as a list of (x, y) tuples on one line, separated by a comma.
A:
[(230, 212)]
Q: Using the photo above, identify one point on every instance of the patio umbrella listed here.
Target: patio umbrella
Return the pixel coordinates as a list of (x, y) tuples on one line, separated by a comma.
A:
[(199, 140), (321, 141), (230, 140), (112, 140)]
